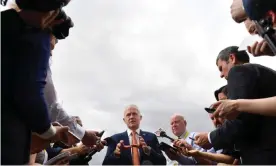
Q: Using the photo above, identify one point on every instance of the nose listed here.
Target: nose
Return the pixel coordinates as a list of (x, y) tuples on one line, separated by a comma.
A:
[(221, 75)]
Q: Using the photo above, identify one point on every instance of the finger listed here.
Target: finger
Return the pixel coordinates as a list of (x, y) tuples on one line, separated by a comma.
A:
[(264, 47), (104, 142), (216, 113), (218, 110), (122, 143), (249, 49), (56, 124), (253, 48), (215, 105), (64, 129), (257, 49), (52, 15), (55, 22)]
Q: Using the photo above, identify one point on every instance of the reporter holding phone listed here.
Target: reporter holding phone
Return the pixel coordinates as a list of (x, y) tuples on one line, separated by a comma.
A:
[(25, 57)]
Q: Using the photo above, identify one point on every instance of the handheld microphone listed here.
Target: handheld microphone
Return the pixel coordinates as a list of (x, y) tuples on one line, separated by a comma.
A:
[(162, 133), (88, 157)]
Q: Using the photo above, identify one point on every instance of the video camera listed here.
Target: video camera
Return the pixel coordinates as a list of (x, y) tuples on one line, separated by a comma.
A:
[(60, 31), (257, 11)]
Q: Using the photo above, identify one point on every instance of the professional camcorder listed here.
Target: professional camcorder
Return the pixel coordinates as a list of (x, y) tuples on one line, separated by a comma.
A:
[(60, 31), (257, 10), (41, 5)]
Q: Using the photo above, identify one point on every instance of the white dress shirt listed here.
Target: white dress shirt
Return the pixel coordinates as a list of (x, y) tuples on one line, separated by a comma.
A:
[(56, 112)]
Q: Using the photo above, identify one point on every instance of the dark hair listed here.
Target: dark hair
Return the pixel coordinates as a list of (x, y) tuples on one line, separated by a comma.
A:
[(241, 56), (223, 90)]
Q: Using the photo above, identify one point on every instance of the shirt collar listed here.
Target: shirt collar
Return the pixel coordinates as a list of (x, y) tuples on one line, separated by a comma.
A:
[(130, 131), (184, 135)]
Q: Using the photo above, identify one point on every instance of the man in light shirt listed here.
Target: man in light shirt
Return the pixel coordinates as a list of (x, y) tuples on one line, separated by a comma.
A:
[(58, 114), (178, 127)]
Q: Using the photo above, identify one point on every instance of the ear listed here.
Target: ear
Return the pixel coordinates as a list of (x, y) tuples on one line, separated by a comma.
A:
[(124, 120), (185, 122), (232, 58), (141, 117)]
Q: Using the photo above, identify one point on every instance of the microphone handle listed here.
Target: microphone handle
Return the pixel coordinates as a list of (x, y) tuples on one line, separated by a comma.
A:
[(170, 138)]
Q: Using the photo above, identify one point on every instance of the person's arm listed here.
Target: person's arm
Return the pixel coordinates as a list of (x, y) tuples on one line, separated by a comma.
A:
[(215, 157), (57, 113), (266, 107), (32, 57)]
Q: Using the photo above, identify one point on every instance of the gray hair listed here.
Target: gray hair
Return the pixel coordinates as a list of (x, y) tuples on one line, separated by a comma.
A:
[(132, 106), (178, 115), (241, 56)]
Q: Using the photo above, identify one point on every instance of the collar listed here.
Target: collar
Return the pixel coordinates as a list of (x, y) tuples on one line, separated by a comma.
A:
[(185, 135), (130, 131)]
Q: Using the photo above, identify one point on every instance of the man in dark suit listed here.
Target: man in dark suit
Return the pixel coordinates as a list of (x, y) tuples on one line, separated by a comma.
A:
[(147, 152), (253, 135)]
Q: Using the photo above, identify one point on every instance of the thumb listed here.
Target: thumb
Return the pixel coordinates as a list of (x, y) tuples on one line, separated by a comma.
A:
[(196, 137), (64, 129), (216, 104), (216, 113)]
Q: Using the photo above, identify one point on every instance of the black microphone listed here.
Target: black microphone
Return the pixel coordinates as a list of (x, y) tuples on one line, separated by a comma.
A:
[(162, 133)]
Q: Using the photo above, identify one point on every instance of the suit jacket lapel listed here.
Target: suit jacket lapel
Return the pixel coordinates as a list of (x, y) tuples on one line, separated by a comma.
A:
[(143, 135)]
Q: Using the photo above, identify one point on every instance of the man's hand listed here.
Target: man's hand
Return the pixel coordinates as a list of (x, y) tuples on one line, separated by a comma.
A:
[(118, 149), (82, 149), (40, 19), (99, 145), (201, 139), (237, 11), (172, 154), (145, 147), (193, 153), (226, 109), (90, 138), (260, 49), (62, 161), (182, 144)]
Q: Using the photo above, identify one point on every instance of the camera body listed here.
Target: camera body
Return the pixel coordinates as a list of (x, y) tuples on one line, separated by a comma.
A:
[(41, 5), (60, 31)]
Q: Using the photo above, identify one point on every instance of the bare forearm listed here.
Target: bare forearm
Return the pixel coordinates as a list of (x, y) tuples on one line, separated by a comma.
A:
[(265, 106), (216, 157)]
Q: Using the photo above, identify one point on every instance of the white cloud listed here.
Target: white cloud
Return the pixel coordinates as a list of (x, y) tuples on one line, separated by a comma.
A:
[(157, 54)]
